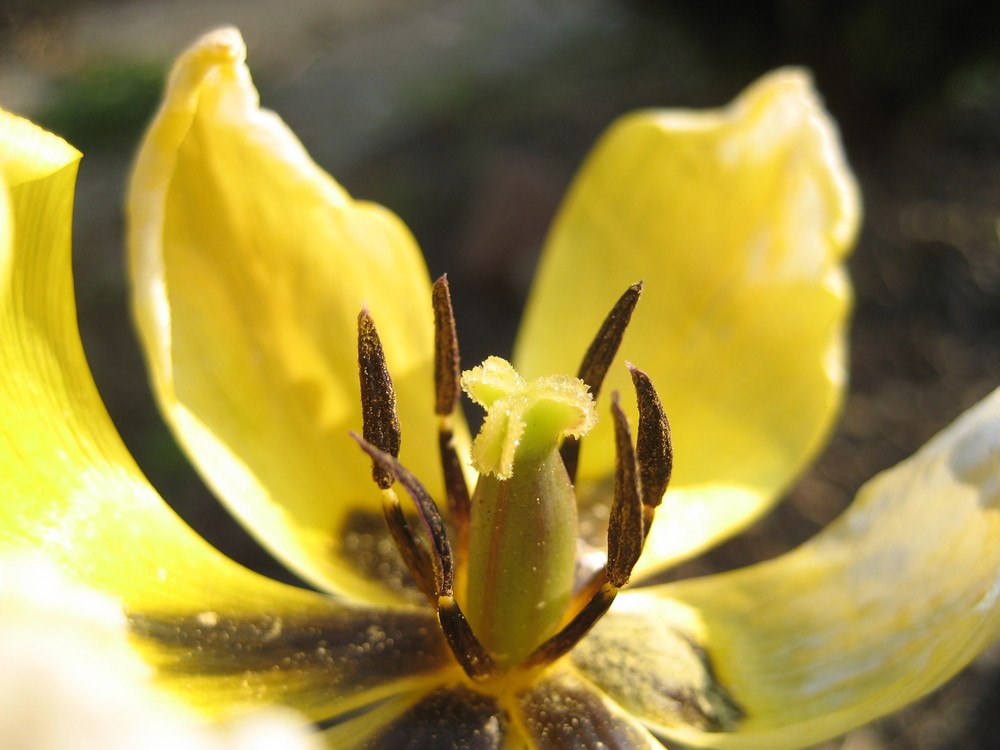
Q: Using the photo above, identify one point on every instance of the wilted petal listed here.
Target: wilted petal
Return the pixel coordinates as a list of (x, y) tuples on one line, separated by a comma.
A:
[(738, 221), (249, 266), (883, 606), (73, 496)]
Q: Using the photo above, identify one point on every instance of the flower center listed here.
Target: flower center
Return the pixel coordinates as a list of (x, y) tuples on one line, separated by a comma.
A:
[(507, 596)]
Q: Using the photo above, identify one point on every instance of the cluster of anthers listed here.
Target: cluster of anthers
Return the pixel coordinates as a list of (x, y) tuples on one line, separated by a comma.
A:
[(507, 602)]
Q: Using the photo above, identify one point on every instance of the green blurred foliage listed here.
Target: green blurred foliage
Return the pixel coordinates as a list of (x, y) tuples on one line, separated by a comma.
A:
[(105, 104)]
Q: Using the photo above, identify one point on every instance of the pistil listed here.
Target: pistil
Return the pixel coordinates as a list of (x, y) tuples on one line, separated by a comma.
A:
[(522, 538)]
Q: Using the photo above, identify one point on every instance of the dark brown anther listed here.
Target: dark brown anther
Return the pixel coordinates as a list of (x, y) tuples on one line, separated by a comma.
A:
[(563, 642), (625, 524), (468, 650), (380, 424), (654, 450), (434, 572), (447, 390), (604, 347), (447, 369), (427, 511), (597, 361)]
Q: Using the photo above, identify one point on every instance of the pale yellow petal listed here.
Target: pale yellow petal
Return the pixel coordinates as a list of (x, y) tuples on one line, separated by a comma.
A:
[(249, 266), (879, 609), (73, 496), (738, 221)]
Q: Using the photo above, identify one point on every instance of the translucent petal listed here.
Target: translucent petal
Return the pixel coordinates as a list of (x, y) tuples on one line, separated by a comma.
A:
[(249, 266), (73, 496), (880, 608), (738, 221)]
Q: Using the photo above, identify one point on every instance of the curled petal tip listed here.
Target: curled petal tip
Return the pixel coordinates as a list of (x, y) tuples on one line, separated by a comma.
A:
[(221, 48), (790, 91), (790, 77), (221, 45)]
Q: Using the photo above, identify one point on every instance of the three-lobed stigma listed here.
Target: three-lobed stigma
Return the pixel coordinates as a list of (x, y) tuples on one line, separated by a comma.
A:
[(524, 419)]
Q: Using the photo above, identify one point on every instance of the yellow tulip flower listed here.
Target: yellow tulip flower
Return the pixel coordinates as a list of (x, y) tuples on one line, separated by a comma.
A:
[(249, 268)]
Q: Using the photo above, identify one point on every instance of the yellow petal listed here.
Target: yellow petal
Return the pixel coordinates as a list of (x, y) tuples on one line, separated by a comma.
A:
[(30, 154), (320, 663), (249, 265), (68, 484), (358, 732), (560, 711), (738, 221), (564, 710), (880, 608), (73, 496)]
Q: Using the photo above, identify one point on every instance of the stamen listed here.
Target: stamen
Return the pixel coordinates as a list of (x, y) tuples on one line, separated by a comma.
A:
[(640, 483), (597, 361), (468, 650), (414, 554), (557, 407), (603, 348), (563, 642), (447, 372), (654, 449), (625, 524), (380, 425), (427, 511)]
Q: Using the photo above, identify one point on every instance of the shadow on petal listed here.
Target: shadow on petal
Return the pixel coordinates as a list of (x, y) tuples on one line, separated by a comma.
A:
[(321, 665)]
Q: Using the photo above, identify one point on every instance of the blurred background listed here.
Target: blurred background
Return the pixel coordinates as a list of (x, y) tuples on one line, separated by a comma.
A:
[(468, 119)]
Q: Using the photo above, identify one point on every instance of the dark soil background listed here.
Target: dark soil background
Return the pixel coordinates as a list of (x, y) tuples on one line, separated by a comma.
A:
[(469, 121)]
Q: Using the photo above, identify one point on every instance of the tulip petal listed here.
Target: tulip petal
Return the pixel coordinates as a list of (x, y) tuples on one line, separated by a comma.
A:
[(70, 488), (449, 717), (738, 221), (560, 711), (322, 664), (73, 496), (884, 605), (249, 266), (564, 710)]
